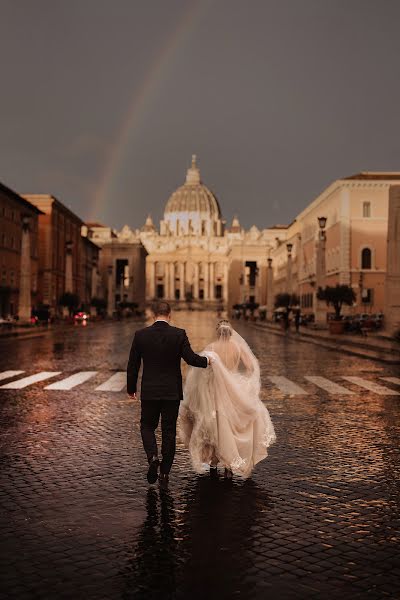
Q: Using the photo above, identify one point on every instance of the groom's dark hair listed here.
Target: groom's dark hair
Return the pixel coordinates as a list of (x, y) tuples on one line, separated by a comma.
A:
[(161, 309)]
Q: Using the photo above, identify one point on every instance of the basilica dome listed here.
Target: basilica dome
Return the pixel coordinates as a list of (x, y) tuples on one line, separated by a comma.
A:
[(192, 208)]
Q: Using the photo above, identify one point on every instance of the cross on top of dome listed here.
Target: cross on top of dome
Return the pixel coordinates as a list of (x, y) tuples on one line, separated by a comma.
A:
[(193, 174)]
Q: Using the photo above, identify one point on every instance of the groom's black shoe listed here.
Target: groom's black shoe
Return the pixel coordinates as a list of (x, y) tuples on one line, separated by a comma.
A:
[(152, 473)]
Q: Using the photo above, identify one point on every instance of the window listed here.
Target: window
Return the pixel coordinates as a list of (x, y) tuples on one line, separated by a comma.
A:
[(366, 210), (160, 290), (366, 258), (218, 292)]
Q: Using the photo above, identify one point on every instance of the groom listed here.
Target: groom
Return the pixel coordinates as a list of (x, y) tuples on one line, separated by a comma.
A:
[(161, 348)]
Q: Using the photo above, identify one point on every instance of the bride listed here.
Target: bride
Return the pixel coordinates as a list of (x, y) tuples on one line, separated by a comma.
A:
[(222, 419)]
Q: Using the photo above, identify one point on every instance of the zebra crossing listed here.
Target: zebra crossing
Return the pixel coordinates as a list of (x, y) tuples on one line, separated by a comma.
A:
[(117, 383)]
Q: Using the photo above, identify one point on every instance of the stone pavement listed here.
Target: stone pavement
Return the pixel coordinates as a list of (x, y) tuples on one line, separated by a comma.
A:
[(318, 519)]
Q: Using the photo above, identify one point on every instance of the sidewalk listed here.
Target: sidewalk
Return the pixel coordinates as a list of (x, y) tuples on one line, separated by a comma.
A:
[(375, 346)]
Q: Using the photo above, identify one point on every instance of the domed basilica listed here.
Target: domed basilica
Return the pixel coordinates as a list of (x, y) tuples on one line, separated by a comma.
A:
[(193, 256)]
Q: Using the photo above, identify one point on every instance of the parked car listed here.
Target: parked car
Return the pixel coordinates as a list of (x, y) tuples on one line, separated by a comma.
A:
[(81, 317), (40, 316)]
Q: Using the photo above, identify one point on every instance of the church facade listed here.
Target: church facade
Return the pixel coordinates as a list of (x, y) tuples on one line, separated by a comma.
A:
[(193, 257)]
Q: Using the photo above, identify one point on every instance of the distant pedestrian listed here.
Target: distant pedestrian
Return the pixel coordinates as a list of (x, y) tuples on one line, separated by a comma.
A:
[(286, 320), (297, 320)]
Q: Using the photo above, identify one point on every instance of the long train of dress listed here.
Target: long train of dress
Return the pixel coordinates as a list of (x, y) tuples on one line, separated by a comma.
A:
[(222, 415)]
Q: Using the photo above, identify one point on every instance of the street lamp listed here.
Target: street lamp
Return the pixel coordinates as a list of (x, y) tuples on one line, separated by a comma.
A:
[(289, 247), (269, 263), (322, 224), (25, 222)]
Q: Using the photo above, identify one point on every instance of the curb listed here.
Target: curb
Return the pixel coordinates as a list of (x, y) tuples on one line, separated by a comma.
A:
[(386, 356)]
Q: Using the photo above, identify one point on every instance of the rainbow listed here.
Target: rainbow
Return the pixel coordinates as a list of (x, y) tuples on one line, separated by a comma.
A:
[(148, 89)]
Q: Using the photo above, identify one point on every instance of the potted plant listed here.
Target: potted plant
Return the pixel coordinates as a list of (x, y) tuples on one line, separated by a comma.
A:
[(336, 296)]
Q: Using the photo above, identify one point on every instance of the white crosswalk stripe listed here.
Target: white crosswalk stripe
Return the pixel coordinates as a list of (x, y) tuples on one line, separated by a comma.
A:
[(115, 383), (287, 386), (25, 381), (391, 379), (327, 385), (371, 386), (8, 374), (71, 381)]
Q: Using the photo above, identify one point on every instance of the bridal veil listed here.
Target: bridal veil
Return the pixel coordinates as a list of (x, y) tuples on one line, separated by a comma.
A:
[(222, 414)]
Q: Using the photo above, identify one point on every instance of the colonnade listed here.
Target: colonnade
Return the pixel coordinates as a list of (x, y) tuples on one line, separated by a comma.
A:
[(197, 278)]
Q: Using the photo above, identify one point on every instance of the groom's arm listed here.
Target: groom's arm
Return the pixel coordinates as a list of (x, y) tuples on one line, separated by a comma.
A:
[(190, 357), (134, 363)]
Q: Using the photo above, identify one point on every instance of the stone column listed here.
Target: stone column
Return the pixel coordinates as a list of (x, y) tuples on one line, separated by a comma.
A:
[(206, 281), (270, 289), (68, 267), (110, 291), (196, 281), (182, 286), (289, 282), (94, 279), (392, 281), (320, 305), (212, 281), (225, 288), (152, 280), (345, 238), (172, 280), (24, 301), (166, 280)]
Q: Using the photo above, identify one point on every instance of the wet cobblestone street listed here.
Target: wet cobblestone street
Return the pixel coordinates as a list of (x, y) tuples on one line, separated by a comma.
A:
[(318, 519)]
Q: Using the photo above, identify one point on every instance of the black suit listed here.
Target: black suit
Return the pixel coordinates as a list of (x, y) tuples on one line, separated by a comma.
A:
[(161, 348)]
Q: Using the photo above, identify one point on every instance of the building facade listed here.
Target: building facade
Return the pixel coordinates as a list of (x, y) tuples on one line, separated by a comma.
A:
[(67, 258), (18, 248), (341, 237), (192, 257)]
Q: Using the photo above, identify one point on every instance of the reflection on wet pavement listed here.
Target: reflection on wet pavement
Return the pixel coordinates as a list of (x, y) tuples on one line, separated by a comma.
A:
[(318, 519)]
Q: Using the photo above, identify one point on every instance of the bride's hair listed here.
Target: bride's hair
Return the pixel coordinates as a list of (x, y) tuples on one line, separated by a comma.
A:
[(224, 329)]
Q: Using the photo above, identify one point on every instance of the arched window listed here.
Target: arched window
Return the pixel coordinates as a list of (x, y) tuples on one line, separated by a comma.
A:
[(366, 258)]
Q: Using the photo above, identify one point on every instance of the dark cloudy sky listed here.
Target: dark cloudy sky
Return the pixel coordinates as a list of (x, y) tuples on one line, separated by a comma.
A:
[(103, 101)]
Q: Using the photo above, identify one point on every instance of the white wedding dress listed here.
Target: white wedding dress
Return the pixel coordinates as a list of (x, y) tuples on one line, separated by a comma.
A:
[(222, 416)]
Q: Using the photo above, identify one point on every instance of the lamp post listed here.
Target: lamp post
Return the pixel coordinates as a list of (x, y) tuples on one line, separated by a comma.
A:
[(270, 289), (320, 271), (289, 285), (110, 292)]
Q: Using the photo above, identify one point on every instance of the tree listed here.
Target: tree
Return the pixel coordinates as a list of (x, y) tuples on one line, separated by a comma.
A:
[(337, 296), (69, 300), (99, 303)]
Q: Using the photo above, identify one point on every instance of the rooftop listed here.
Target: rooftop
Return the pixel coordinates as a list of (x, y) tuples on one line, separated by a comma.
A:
[(376, 175), (11, 194)]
